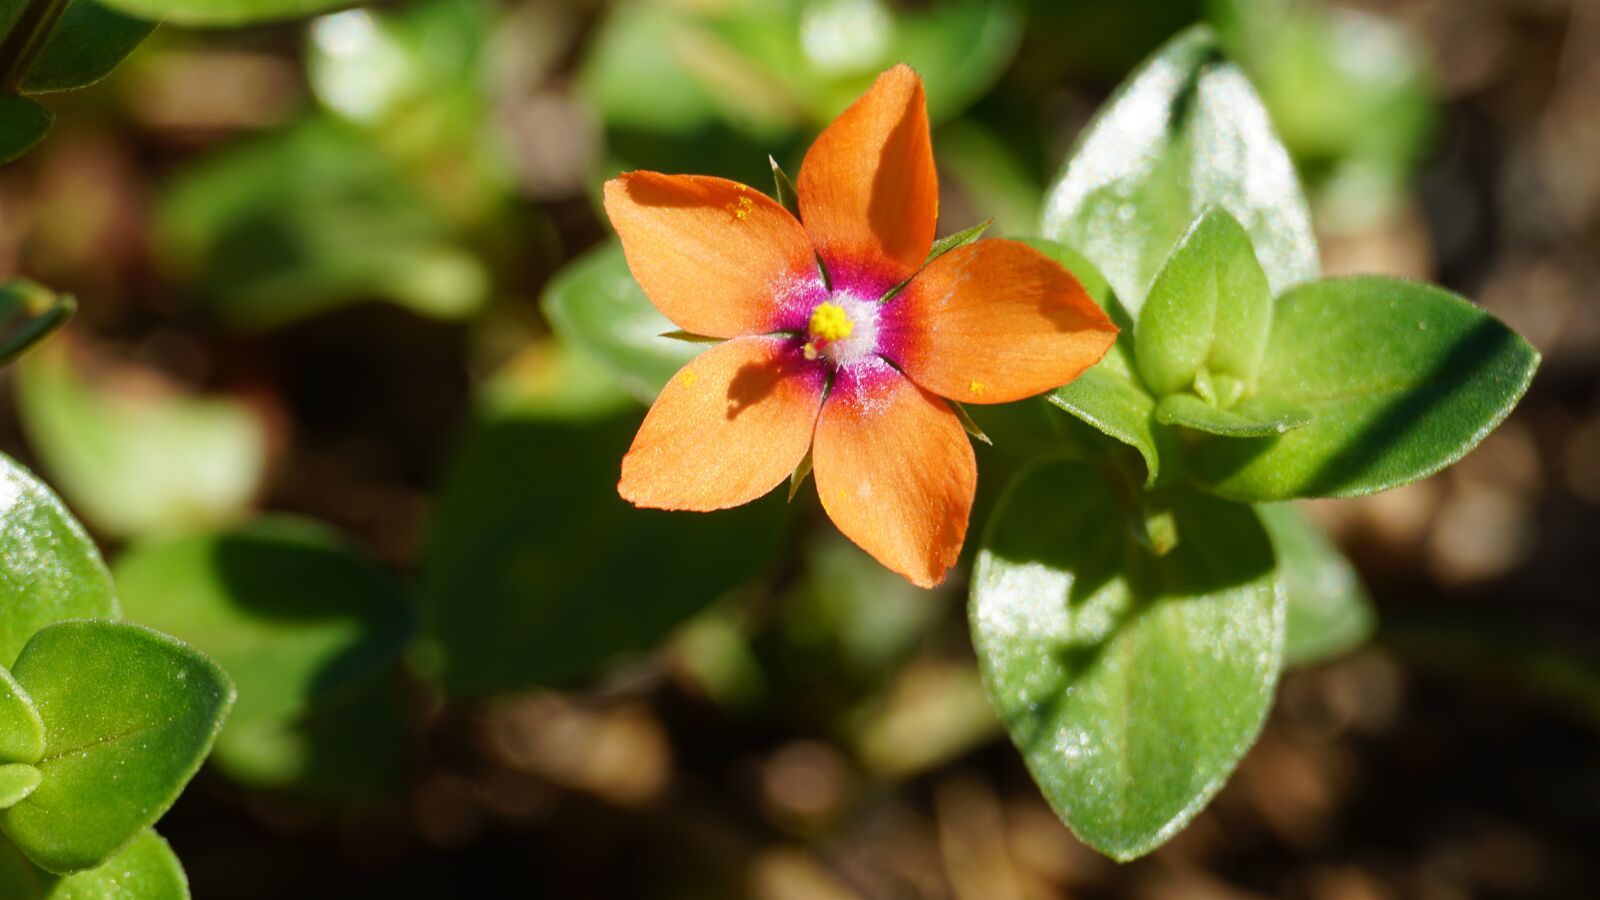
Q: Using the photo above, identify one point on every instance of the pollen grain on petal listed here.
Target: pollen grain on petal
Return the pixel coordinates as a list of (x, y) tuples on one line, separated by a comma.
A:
[(740, 208), (977, 388)]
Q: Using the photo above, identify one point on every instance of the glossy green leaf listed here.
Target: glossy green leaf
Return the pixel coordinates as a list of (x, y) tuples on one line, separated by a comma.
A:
[(294, 615), (299, 223), (538, 573), (1329, 613), (129, 715), (214, 13), (138, 457), (21, 729), (29, 313), (1400, 380), (88, 42), (49, 568), (1209, 309), (1185, 132), (1131, 683), (23, 124), (17, 781), (146, 869), (595, 306), (1254, 417)]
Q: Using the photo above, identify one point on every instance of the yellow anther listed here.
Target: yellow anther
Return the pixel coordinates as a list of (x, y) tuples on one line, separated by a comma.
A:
[(977, 388), (810, 349), (829, 322), (741, 208)]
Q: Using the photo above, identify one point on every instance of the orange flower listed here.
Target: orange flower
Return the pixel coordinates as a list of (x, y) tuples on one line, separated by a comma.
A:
[(835, 371)]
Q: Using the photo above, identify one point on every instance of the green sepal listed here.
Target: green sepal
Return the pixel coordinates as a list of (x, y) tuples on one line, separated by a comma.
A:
[(29, 313), (784, 190)]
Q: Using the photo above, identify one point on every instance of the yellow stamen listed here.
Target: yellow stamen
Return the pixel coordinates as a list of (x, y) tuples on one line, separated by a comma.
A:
[(829, 322)]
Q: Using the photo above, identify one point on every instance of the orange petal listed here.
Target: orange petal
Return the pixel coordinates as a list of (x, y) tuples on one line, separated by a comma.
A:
[(993, 322), (729, 427), (712, 254), (869, 195), (895, 472)]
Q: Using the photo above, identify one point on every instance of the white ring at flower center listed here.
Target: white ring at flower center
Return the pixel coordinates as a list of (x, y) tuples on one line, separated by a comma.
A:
[(863, 340)]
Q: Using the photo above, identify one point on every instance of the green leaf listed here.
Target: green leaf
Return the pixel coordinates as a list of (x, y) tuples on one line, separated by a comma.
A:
[(1184, 132), (29, 313), (1255, 417), (296, 224), (129, 715), (23, 124), (595, 306), (87, 43), (1131, 683), (1329, 613), (21, 729), (1209, 309), (17, 781), (1400, 380), (538, 573), (296, 617), (225, 13), (135, 455), (49, 569), (146, 869)]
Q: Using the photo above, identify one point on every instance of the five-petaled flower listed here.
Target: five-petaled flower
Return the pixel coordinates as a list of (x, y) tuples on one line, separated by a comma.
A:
[(816, 361)]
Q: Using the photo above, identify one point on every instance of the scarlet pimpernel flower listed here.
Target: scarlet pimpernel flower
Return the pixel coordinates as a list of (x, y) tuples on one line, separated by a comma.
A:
[(822, 354)]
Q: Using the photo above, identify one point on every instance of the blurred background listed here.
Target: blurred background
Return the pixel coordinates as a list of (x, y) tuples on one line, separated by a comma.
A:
[(317, 266)]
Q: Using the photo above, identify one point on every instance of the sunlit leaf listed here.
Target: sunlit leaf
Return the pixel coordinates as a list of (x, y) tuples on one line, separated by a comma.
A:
[(146, 869), (21, 729), (1209, 309), (1131, 683), (1400, 380), (49, 568), (1184, 132), (17, 782), (129, 715)]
